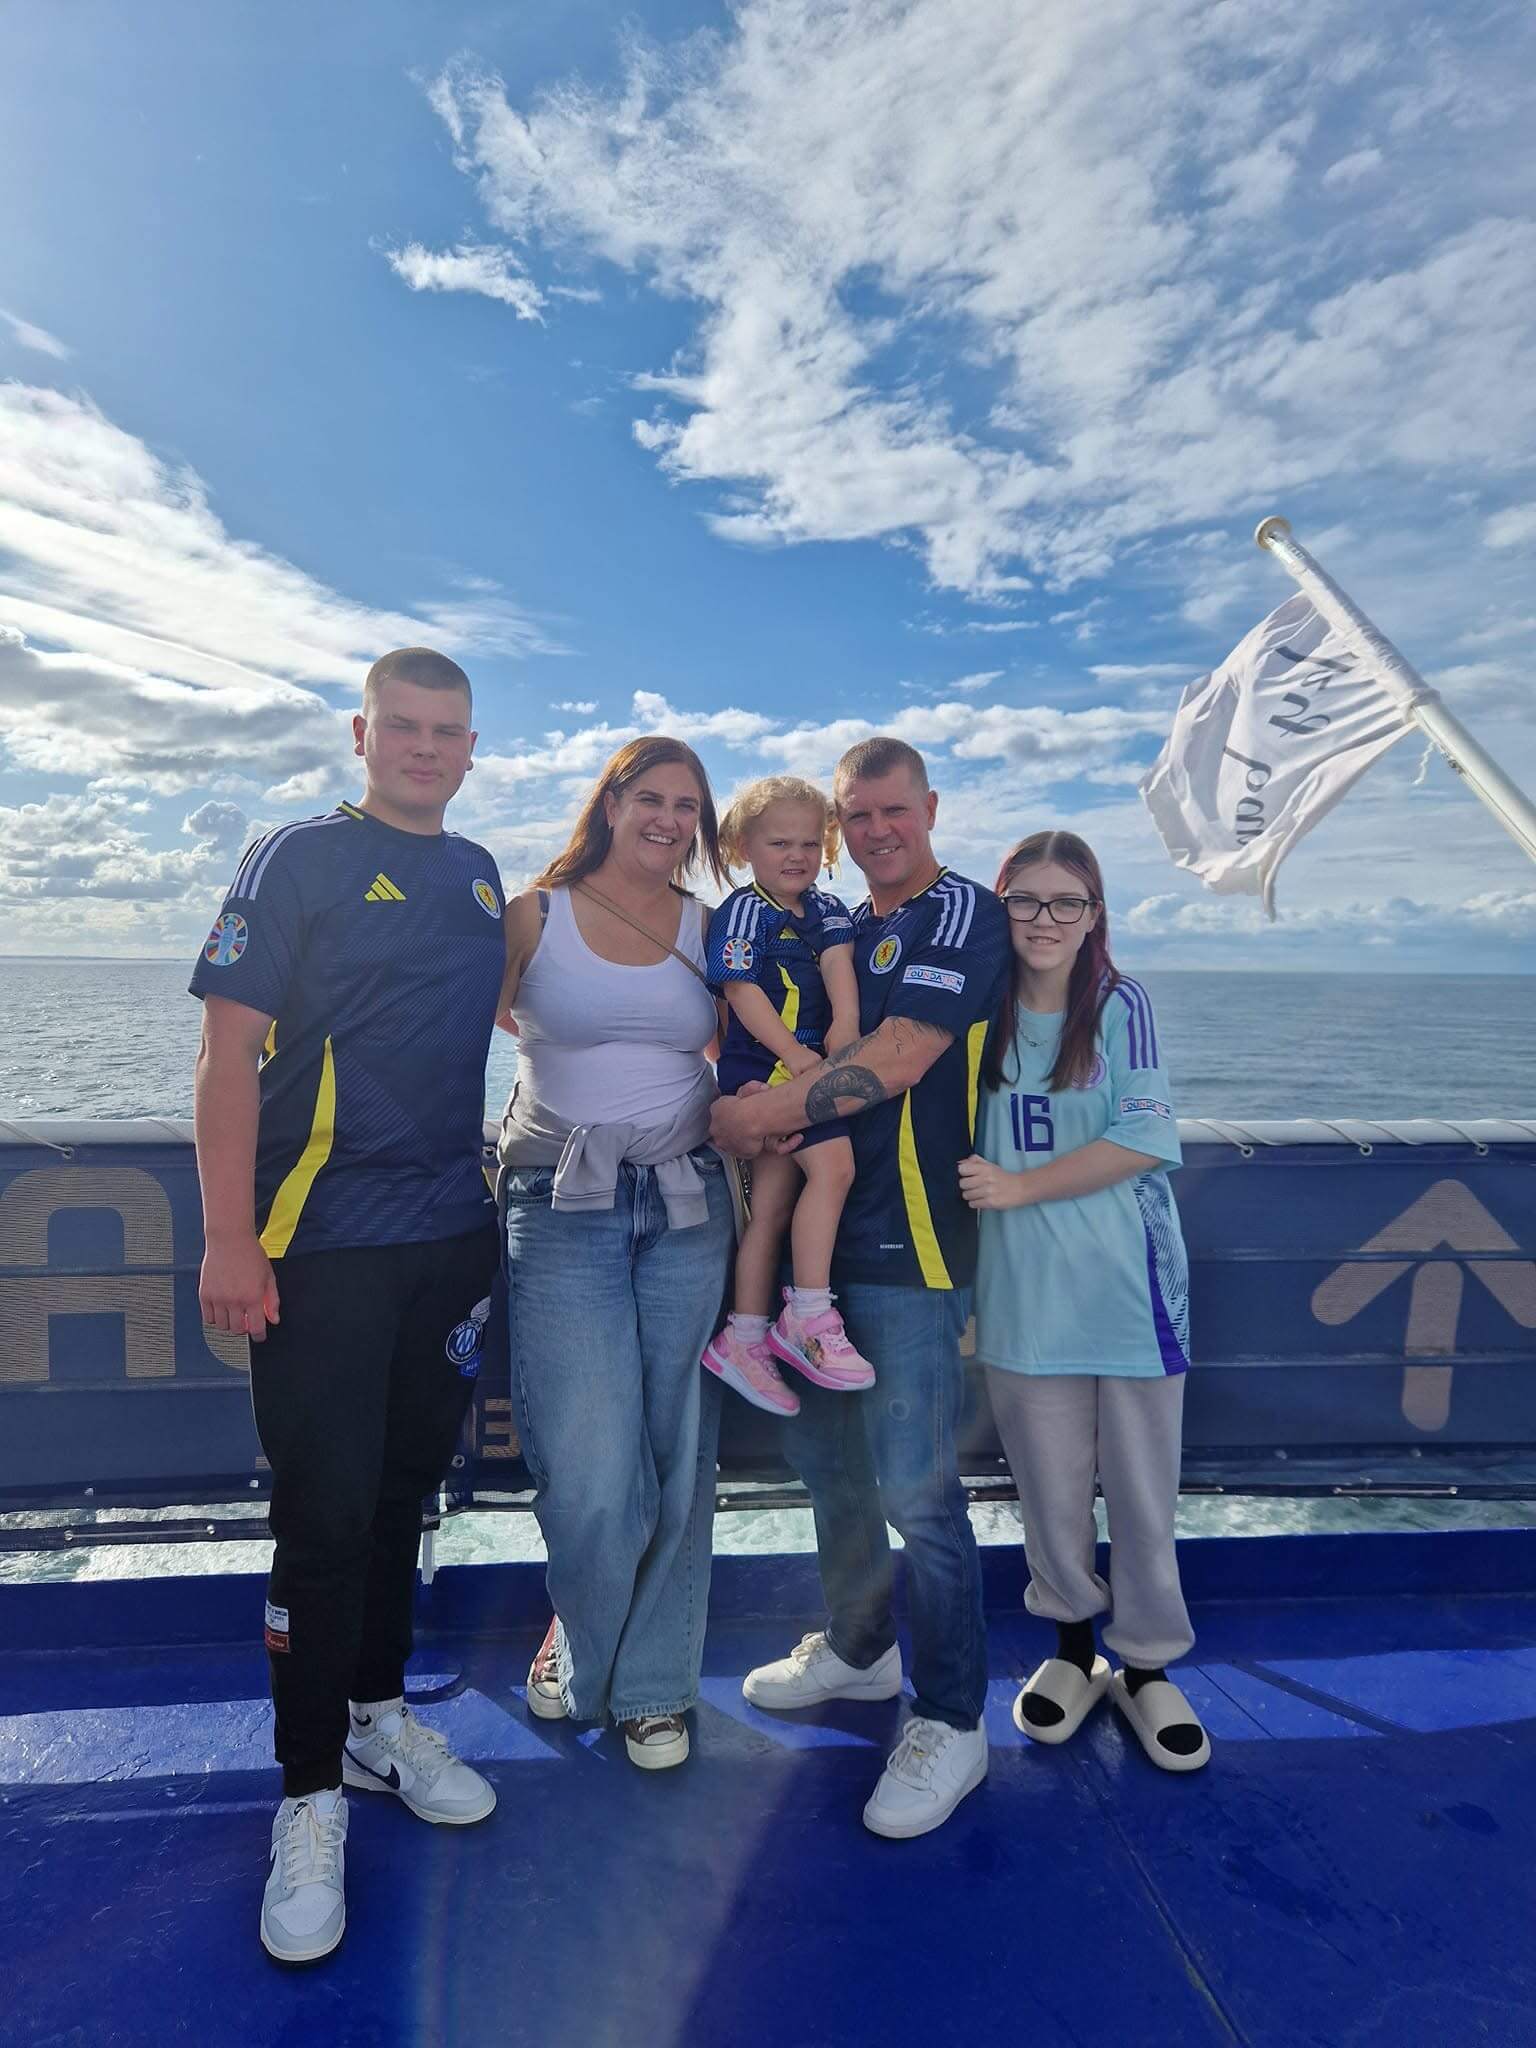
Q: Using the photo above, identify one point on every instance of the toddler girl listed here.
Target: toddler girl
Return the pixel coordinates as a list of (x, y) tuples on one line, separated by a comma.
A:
[(781, 951)]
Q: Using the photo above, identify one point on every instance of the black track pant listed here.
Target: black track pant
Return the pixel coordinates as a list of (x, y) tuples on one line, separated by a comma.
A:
[(358, 1407)]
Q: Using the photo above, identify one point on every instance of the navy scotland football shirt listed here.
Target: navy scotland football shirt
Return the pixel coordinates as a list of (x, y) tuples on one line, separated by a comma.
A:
[(379, 954), (944, 957)]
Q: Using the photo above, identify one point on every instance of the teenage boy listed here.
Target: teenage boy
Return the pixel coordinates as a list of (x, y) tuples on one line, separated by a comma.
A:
[(931, 952), (349, 990)]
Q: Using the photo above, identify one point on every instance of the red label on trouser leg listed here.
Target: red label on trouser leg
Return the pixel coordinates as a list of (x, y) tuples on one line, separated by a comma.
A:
[(276, 1631)]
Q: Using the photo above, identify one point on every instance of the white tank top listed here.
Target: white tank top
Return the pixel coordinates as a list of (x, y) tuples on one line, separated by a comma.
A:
[(600, 1043)]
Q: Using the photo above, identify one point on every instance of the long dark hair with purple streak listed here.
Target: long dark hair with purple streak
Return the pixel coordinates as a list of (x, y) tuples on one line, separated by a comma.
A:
[(1094, 974)]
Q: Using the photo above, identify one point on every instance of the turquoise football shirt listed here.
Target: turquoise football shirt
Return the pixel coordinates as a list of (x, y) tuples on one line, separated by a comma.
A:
[(1099, 1284)]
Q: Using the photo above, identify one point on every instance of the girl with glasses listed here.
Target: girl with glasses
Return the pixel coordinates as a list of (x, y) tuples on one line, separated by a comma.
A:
[(1082, 1302)]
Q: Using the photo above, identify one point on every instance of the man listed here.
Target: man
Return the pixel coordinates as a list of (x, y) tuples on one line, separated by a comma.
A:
[(349, 989), (931, 952)]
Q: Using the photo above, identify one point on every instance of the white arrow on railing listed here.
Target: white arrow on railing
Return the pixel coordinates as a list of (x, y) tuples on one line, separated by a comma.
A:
[(1450, 1215)]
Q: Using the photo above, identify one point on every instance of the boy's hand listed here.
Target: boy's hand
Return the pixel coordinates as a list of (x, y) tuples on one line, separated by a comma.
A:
[(985, 1186), (238, 1289), (804, 1061)]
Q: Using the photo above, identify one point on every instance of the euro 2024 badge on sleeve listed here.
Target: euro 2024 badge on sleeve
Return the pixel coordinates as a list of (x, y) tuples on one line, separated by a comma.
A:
[(227, 941), (737, 956)]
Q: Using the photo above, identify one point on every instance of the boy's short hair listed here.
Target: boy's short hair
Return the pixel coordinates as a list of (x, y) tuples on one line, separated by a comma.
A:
[(423, 666), (872, 759)]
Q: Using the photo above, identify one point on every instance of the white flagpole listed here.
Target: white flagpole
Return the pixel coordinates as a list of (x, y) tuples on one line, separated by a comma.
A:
[(1509, 804)]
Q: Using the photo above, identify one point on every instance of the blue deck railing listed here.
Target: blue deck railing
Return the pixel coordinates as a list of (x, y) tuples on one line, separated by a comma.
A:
[(1363, 1314)]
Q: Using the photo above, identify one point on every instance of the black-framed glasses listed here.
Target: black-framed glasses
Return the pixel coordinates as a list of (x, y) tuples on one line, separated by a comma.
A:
[(1063, 909)]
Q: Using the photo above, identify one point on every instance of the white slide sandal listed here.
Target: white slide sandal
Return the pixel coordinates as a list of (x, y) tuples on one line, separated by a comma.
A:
[(1064, 1685), (1158, 1705)]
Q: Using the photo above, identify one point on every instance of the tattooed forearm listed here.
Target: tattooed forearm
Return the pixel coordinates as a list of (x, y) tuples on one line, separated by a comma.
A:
[(901, 1035), (841, 1091), (882, 1064)]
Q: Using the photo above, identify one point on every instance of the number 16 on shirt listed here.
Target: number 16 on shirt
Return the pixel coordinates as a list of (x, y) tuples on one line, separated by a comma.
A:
[(1033, 1129)]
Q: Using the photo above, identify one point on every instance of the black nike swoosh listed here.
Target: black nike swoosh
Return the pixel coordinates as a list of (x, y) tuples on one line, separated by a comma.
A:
[(391, 1778)]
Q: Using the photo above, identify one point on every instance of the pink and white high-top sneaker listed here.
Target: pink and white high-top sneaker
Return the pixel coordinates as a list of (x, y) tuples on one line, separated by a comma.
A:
[(818, 1346), (750, 1370)]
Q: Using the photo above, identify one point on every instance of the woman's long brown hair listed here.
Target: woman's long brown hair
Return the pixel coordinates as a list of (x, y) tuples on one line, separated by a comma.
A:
[(1094, 974), (592, 835)]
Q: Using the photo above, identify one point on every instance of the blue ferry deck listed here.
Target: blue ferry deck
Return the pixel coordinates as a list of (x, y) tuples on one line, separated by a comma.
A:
[(1353, 1868)]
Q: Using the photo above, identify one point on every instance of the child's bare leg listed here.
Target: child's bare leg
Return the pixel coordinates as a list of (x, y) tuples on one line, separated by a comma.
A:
[(828, 1171), (775, 1184)]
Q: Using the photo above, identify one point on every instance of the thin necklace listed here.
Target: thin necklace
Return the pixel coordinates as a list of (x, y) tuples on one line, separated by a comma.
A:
[(1029, 1038)]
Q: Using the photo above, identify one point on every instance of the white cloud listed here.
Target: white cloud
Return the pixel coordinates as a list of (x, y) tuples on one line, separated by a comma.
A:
[(942, 631), (1497, 913), (107, 549), (582, 706), (94, 847), (1069, 198), (965, 686), (1139, 671), (188, 656), (73, 715), (25, 335), (224, 824), (1512, 527), (1349, 170), (1063, 742), (494, 273)]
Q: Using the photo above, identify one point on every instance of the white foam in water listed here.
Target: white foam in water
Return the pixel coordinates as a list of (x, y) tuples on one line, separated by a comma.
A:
[(514, 1538)]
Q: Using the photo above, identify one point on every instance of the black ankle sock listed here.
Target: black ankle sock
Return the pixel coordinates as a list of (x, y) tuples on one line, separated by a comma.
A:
[(1185, 1737), (1074, 1645)]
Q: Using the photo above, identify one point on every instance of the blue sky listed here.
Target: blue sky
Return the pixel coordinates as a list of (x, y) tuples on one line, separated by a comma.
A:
[(771, 375)]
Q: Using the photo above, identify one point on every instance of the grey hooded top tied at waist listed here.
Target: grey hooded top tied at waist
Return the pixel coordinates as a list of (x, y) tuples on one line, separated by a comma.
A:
[(587, 1157)]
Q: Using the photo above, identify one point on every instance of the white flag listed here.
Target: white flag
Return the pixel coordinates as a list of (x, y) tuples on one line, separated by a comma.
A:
[(1263, 746)]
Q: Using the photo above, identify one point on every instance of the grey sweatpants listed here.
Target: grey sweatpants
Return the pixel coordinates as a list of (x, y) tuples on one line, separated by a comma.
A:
[(1059, 1431)]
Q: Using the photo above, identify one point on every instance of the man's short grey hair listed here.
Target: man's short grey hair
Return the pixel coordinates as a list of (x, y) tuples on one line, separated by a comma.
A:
[(871, 760)]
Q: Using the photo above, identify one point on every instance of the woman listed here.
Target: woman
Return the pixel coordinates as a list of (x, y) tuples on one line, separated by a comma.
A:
[(618, 1232), (1082, 1302)]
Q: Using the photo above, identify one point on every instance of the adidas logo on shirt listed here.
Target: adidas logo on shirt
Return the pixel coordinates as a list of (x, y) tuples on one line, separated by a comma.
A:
[(384, 891)]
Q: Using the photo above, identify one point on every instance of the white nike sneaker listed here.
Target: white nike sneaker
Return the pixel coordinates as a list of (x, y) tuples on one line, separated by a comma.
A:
[(389, 1750), (813, 1672), (544, 1695), (930, 1771), (304, 1907)]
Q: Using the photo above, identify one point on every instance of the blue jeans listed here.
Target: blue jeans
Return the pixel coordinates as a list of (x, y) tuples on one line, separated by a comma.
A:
[(609, 1312), (889, 1455)]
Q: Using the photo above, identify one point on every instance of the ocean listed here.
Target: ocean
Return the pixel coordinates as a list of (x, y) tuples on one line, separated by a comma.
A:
[(114, 1038), (92, 1038)]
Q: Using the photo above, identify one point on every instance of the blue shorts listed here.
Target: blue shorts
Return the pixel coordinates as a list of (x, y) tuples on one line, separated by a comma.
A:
[(737, 1068)]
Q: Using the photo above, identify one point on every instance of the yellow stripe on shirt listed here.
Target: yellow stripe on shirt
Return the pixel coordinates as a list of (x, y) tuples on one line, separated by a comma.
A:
[(975, 1042), (288, 1202), (789, 1016), (925, 1240)]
